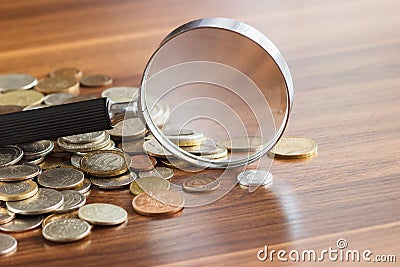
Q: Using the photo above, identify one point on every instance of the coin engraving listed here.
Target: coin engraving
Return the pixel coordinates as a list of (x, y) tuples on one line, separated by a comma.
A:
[(66, 230)]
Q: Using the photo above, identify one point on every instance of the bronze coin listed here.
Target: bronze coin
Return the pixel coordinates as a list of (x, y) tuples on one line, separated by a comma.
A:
[(9, 109), (159, 203), (143, 162)]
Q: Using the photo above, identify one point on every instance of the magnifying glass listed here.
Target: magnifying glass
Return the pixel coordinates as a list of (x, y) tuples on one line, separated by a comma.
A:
[(213, 83)]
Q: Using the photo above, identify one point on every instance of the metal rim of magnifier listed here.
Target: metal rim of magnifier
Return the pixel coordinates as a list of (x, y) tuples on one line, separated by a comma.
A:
[(246, 31)]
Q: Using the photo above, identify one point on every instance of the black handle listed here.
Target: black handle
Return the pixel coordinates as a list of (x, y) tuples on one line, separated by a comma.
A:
[(53, 122)]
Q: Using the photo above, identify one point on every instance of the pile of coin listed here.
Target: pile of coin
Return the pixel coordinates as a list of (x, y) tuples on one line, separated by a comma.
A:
[(45, 183)]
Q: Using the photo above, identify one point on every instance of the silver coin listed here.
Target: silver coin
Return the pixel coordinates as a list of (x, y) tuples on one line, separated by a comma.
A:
[(129, 129), (76, 161), (96, 145), (153, 148), (84, 138), (36, 160), (73, 200), (6, 215), (121, 94), (177, 132), (57, 98), (66, 230), (109, 146), (254, 178), (17, 81), (38, 148), (103, 214), (22, 223), (45, 200), (114, 182), (132, 147), (61, 178), (163, 172), (19, 172), (200, 184), (34, 107), (84, 187), (8, 244), (10, 155)]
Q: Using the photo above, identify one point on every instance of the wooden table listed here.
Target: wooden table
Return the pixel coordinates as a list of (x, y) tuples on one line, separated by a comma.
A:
[(344, 57)]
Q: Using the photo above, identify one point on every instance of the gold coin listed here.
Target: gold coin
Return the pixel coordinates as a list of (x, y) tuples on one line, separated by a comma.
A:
[(135, 188), (147, 184), (294, 147), (68, 71), (243, 143), (194, 139), (21, 98), (50, 163), (200, 184), (55, 217), (14, 191), (158, 203), (58, 84), (105, 163)]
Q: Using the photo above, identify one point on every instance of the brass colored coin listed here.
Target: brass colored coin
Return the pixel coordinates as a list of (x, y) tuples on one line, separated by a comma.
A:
[(117, 182), (200, 184), (105, 163), (51, 163), (58, 84), (163, 172), (84, 187), (37, 148), (22, 223), (194, 139), (57, 98), (8, 244), (148, 184), (19, 172), (6, 216), (55, 217), (294, 147), (61, 178), (96, 80), (66, 230), (158, 203), (9, 109), (130, 129), (132, 147), (243, 144), (21, 98), (153, 148), (67, 71), (10, 155), (143, 162), (45, 200), (103, 214), (135, 189), (14, 191)]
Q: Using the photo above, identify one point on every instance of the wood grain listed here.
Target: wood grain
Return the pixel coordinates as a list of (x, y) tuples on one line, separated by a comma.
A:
[(344, 58)]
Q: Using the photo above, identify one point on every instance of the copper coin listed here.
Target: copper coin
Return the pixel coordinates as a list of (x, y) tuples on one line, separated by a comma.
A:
[(96, 80), (9, 109), (58, 84), (158, 203), (143, 162)]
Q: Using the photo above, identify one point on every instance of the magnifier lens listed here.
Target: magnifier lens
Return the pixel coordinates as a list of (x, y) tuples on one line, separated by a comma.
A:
[(214, 95)]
